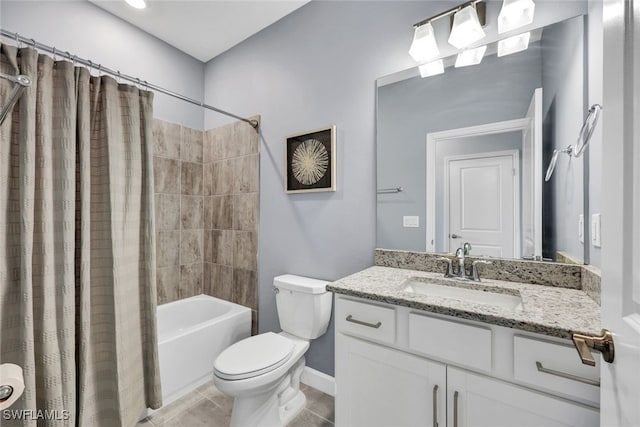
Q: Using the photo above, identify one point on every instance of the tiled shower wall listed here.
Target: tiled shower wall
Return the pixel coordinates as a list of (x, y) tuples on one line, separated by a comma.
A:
[(179, 204), (231, 178), (206, 187)]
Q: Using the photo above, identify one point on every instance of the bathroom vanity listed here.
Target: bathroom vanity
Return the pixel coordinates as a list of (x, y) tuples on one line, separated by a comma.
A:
[(493, 353)]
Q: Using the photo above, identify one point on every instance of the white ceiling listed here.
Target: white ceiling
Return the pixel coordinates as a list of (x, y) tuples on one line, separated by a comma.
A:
[(204, 28)]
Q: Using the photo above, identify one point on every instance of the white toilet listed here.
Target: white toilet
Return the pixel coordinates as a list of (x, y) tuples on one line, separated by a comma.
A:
[(262, 372)]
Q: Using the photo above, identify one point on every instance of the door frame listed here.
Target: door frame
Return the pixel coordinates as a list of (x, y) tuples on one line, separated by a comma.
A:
[(432, 140), (620, 307), (515, 161)]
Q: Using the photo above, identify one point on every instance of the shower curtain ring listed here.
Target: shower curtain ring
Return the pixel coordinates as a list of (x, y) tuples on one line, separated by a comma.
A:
[(146, 86), (119, 78), (99, 69), (54, 55), (33, 42)]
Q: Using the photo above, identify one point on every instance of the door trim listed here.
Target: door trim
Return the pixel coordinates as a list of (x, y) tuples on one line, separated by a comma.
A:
[(432, 140), (515, 161)]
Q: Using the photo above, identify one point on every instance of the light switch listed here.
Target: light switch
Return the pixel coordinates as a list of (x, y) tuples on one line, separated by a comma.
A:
[(595, 230), (581, 228), (411, 221)]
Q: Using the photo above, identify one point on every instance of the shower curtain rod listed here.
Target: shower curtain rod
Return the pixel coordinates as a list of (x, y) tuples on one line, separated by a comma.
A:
[(52, 50)]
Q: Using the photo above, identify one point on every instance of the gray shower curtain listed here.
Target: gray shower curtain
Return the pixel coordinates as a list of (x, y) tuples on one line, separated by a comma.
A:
[(77, 246)]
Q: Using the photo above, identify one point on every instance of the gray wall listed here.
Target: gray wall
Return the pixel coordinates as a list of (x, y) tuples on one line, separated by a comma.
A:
[(314, 68), (496, 90), (563, 110), (89, 32)]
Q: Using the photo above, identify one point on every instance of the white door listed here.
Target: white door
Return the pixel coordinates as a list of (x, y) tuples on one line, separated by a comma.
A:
[(483, 204), (382, 387), (532, 180), (479, 401), (620, 390)]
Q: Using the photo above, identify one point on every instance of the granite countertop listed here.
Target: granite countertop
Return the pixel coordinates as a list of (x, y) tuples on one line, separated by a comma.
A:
[(548, 310)]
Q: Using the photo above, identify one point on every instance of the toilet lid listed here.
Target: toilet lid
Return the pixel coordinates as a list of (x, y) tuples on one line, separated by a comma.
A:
[(253, 356)]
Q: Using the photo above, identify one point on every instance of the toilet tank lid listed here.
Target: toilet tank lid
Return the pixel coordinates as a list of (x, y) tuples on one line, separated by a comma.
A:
[(300, 284)]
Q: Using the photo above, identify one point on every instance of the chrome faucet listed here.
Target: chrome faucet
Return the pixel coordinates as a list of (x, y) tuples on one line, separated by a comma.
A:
[(461, 254)]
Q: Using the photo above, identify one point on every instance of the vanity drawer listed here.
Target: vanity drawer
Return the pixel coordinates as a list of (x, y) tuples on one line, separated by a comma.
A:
[(457, 343), (366, 320), (555, 367)]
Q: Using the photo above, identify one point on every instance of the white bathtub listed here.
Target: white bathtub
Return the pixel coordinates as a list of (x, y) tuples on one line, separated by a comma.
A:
[(192, 332)]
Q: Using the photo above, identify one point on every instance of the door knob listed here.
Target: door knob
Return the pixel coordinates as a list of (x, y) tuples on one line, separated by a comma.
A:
[(585, 343), (455, 236)]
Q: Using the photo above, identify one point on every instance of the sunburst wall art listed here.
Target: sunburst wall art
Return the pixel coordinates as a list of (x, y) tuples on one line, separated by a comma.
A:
[(311, 161)]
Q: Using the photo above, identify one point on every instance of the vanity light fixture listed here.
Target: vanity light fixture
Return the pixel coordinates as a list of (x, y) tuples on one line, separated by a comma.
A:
[(138, 4), (466, 28), (470, 57), (515, 14), (424, 46), (513, 44), (431, 68)]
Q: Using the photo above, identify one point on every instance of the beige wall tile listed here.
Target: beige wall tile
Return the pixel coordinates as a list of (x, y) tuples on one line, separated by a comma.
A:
[(218, 247), (246, 174), (167, 248), (218, 281), (190, 280), (168, 281), (245, 250), (212, 146), (192, 212), (245, 212), (207, 176), (245, 288), (167, 208), (218, 213), (166, 139), (222, 176), (166, 175), (190, 246), (191, 149), (191, 178)]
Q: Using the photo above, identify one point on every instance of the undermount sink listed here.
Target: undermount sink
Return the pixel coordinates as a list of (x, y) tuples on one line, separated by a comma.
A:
[(479, 294)]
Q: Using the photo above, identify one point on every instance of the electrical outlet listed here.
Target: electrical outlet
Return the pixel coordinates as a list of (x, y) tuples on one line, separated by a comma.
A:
[(411, 221), (595, 230), (581, 228)]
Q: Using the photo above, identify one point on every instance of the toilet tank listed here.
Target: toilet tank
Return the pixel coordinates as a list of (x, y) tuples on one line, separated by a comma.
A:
[(303, 304)]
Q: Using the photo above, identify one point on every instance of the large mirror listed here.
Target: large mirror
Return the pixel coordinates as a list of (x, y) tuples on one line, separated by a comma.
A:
[(461, 156)]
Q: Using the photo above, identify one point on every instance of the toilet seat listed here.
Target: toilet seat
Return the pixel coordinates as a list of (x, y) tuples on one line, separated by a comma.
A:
[(253, 356)]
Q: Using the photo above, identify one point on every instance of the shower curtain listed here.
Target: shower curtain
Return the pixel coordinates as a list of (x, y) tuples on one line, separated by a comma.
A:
[(77, 246)]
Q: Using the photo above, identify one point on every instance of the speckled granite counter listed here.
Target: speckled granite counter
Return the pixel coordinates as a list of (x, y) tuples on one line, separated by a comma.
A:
[(547, 310)]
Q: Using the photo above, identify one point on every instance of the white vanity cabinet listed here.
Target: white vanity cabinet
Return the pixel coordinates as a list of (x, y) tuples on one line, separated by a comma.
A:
[(397, 366)]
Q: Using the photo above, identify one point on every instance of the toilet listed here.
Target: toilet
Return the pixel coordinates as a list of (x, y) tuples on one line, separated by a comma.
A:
[(262, 373)]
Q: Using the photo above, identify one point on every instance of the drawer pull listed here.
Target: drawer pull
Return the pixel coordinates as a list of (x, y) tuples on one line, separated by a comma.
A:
[(455, 409), (360, 322), (435, 405), (565, 375)]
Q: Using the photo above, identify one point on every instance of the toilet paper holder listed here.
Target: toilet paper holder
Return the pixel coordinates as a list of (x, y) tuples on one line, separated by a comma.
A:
[(5, 392)]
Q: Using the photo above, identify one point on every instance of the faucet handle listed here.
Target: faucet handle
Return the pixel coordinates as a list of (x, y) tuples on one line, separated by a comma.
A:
[(449, 271), (460, 253), (474, 269)]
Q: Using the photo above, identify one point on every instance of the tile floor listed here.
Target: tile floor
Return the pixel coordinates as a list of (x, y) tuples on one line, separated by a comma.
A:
[(208, 407)]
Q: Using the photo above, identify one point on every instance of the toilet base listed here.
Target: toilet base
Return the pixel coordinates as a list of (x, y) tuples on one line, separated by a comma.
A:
[(274, 407)]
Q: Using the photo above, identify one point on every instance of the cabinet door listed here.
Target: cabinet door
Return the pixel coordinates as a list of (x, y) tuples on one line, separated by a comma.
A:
[(378, 386), (479, 401)]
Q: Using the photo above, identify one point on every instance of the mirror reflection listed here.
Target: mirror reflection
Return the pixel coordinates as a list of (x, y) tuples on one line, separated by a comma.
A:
[(468, 148)]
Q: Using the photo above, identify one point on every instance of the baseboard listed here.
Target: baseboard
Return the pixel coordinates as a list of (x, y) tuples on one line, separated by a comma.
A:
[(319, 380)]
